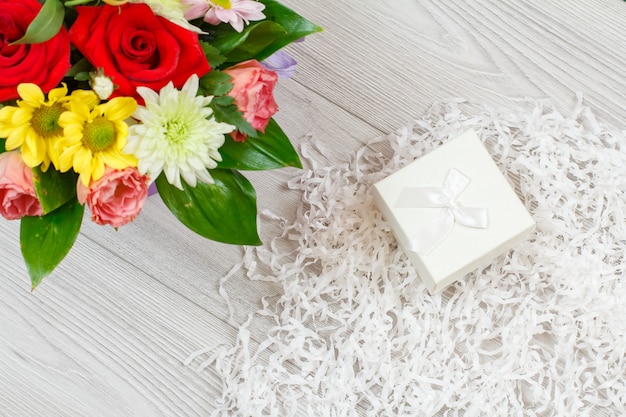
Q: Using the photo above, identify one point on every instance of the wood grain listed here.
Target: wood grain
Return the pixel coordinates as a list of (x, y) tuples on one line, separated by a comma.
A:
[(386, 62), (99, 338), (107, 333)]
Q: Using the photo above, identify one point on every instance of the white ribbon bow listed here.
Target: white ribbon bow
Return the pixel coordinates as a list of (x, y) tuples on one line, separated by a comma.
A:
[(435, 231)]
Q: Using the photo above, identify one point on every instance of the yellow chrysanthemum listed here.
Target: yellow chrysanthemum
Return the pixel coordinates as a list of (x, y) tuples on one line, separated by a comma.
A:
[(33, 125), (94, 137)]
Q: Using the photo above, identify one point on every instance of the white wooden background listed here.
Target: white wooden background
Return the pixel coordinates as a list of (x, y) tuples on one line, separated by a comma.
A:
[(107, 333)]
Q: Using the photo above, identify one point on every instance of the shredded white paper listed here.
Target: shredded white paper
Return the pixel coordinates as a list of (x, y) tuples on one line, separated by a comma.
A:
[(540, 331)]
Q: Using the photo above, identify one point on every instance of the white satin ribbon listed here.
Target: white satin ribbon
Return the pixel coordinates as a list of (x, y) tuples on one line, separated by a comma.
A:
[(434, 232)]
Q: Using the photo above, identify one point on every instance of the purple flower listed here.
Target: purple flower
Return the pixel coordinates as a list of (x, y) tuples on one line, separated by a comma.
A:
[(152, 189), (282, 63)]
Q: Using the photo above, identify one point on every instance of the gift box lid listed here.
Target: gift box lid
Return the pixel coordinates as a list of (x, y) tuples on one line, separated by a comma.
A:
[(452, 210)]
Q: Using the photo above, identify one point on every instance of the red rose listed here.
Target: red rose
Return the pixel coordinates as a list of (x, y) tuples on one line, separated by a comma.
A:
[(137, 48), (44, 64), (253, 91)]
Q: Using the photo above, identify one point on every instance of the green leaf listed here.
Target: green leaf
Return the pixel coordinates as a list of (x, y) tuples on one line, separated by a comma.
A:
[(225, 110), (255, 38), (53, 188), (81, 66), (2, 148), (212, 54), (82, 76), (270, 150), (215, 83), (45, 25), (296, 27), (261, 39), (224, 211), (46, 240)]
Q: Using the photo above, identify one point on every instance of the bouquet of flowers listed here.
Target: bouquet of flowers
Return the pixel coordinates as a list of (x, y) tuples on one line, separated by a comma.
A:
[(102, 99)]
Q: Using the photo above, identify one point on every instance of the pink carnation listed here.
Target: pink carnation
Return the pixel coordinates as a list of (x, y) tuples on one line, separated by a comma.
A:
[(116, 198), (253, 91), (17, 193)]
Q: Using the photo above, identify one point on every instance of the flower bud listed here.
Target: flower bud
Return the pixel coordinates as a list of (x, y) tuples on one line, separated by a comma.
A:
[(101, 84)]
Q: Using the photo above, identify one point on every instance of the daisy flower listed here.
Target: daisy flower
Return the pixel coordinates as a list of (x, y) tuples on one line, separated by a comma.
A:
[(177, 134), (33, 124), (95, 137), (234, 12)]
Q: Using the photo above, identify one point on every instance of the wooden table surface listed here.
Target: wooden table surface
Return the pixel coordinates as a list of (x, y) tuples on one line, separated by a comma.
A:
[(107, 333)]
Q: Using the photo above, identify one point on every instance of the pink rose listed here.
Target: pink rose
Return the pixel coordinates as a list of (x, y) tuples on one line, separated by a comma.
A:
[(17, 193), (116, 198), (253, 93)]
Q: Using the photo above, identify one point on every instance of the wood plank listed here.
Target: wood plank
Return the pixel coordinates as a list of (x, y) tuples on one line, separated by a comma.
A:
[(386, 62), (99, 338)]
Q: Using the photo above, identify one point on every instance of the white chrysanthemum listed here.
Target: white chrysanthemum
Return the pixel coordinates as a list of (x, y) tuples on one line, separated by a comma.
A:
[(172, 10), (176, 134)]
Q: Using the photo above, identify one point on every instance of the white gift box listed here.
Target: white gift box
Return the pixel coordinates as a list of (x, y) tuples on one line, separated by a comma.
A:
[(452, 211)]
